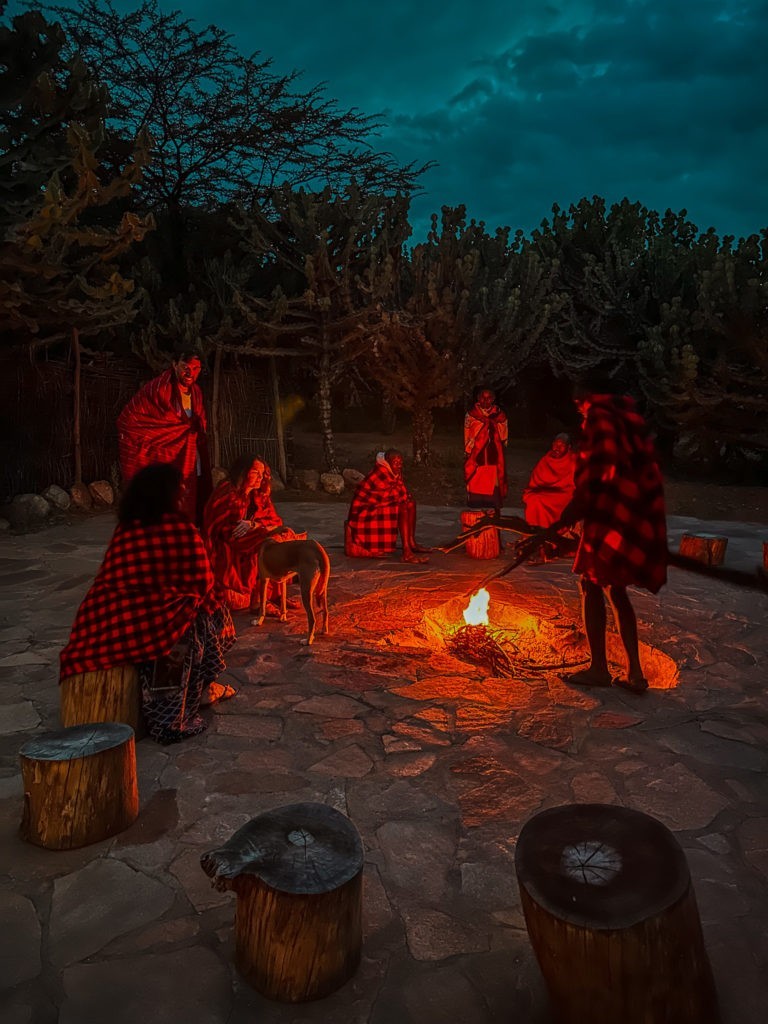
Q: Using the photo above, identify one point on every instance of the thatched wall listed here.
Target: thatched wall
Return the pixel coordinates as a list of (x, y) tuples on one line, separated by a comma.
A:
[(36, 402)]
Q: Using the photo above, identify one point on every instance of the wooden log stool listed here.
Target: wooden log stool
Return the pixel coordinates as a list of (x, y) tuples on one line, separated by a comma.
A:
[(704, 547), (107, 695), (297, 873), (486, 543), (612, 918), (79, 785)]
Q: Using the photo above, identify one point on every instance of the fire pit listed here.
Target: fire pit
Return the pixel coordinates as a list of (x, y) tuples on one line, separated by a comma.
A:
[(475, 642)]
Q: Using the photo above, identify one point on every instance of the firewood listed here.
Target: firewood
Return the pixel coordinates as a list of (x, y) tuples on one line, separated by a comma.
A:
[(482, 545), (107, 695), (704, 547), (79, 785), (297, 873), (612, 918)]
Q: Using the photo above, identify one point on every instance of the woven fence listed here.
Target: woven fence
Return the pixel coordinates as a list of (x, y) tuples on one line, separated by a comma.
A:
[(36, 413)]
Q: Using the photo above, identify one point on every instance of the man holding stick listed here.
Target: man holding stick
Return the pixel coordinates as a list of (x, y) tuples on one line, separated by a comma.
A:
[(619, 498)]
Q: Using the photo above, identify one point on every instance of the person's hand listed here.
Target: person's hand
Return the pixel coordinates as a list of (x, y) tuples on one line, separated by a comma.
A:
[(241, 529)]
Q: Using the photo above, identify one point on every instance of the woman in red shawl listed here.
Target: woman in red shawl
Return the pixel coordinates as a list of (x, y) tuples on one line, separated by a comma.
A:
[(485, 439), (154, 597), (550, 487), (165, 422), (619, 498), (239, 516)]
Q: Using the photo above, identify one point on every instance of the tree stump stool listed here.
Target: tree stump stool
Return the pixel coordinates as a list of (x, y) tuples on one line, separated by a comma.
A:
[(297, 873), (107, 695), (79, 785), (704, 547), (486, 543), (612, 918)]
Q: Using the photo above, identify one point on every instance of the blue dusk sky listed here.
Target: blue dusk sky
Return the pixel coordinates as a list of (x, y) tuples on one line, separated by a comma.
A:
[(523, 103)]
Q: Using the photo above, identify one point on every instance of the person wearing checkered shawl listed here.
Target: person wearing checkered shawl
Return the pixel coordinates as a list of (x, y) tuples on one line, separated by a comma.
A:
[(619, 499), (154, 604), (381, 508)]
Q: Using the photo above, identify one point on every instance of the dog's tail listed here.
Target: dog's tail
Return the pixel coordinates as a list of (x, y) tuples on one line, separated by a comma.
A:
[(325, 572)]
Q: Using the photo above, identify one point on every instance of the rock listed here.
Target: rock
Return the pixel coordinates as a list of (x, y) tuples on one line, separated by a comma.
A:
[(57, 497), (4, 525), (18, 717), (352, 477), (218, 474), (674, 795), (27, 510), (419, 856), (306, 479), (351, 762), (432, 935), (102, 493), (81, 497), (332, 483), (276, 484), (19, 941)]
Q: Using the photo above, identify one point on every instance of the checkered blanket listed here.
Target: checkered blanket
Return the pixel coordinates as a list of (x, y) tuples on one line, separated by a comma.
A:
[(620, 496), (153, 427), (151, 585), (373, 514)]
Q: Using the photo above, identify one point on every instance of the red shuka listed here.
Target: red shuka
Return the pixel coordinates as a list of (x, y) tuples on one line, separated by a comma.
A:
[(485, 468), (153, 427), (151, 585), (234, 561), (620, 496), (373, 514), (550, 488)]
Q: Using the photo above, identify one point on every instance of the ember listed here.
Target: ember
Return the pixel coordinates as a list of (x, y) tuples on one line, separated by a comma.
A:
[(475, 641)]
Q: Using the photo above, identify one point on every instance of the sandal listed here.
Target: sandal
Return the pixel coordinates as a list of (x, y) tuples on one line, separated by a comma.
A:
[(638, 686), (216, 692)]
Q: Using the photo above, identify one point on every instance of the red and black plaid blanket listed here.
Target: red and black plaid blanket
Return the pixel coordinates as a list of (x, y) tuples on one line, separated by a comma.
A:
[(373, 514), (620, 495), (151, 585), (153, 427)]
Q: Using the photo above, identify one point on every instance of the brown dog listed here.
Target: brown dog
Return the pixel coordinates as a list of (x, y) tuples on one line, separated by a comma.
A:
[(279, 561)]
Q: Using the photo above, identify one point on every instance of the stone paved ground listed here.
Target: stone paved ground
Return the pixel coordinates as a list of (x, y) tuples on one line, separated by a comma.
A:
[(437, 766)]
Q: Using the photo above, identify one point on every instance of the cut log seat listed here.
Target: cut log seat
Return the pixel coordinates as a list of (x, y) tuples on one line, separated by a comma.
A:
[(486, 543), (612, 918), (704, 547), (297, 873), (107, 695), (79, 785)]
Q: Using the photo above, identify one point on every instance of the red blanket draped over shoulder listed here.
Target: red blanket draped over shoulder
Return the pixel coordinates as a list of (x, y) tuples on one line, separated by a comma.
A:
[(373, 514), (234, 561), (153, 427), (485, 468), (620, 492), (550, 488), (151, 585)]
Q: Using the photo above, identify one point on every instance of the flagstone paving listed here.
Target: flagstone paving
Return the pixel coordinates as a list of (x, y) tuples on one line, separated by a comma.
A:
[(438, 766)]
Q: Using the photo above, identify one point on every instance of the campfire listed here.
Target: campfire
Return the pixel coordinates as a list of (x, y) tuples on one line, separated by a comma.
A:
[(475, 641)]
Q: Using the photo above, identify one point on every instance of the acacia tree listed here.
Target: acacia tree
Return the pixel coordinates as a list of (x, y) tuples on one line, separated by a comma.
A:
[(224, 126), (340, 255)]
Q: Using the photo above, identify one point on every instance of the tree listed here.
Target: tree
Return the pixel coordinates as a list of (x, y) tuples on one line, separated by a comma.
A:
[(225, 126), (340, 255)]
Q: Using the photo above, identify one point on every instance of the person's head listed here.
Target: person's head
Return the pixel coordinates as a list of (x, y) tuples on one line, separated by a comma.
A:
[(395, 459), (155, 491), (597, 381), (186, 366), (485, 397), (248, 472), (561, 444)]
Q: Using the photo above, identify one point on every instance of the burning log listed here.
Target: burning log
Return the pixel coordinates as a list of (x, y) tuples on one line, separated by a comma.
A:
[(475, 642)]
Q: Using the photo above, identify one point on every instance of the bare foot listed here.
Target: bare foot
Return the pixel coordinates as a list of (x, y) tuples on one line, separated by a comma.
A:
[(411, 556), (589, 677), (634, 684)]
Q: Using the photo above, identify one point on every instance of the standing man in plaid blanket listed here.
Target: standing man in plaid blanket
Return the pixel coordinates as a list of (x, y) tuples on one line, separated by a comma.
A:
[(165, 422), (619, 498), (382, 507)]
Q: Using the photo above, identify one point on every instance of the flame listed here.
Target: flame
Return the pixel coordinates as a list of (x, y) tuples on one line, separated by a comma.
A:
[(476, 612)]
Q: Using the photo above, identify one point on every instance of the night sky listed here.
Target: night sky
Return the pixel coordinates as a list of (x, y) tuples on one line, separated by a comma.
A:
[(524, 103)]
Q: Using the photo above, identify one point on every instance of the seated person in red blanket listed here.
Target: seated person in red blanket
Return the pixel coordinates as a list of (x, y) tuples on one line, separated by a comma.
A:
[(381, 507), (619, 499), (485, 439), (154, 595), (550, 487), (165, 422), (239, 516)]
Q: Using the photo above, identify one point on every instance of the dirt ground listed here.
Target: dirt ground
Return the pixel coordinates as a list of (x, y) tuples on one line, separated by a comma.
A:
[(442, 483)]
